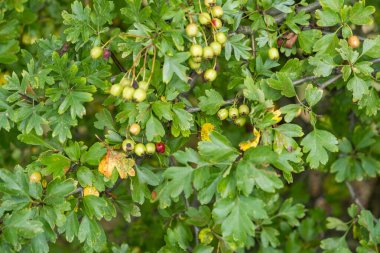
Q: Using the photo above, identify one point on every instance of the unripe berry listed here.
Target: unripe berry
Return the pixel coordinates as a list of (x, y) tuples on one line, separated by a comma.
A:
[(210, 3), (210, 75), (217, 11), (160, 147), (208, 53), (135, 129), (35, 177), (216, 47), (273, 54), (192, 30), (128, 145), (90, 190), (216, 23), (243, 110), (139, 95), (140, 149), (125, 82), (223, 114), (204, 18), (196, 59), (128, 93), (116, 90), (150, 148), (221, 37), (196, 51), (144, 85), (96, 52), (233, 113), (194, 65), (240, 121), (354, 41)]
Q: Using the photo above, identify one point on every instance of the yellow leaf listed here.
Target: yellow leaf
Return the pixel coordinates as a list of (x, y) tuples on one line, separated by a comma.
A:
[(252, 143)]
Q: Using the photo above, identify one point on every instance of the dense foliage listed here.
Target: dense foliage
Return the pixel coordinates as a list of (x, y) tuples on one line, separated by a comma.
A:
[(188, 126)]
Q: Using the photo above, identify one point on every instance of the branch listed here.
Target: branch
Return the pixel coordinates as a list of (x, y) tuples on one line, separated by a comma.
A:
[(354, 197), (117, 62), (281, 17), (337, 77)]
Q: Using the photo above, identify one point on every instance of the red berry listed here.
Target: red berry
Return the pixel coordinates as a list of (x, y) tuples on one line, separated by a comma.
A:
[(160, 147), (106, 54)]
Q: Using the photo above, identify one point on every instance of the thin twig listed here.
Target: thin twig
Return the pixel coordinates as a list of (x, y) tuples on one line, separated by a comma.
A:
[(354, 196)]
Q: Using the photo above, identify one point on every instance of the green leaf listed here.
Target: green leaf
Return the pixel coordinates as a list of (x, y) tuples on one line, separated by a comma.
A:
[(293, 20), (323, 65), (85, 176), (199, 217), (154, 128), (74, 100), (358, 86), (162, 109), (95, 206), (291, 213), (56, 164), (327, 18), (326, 45), (78, 23), (361, 15), (282, 83), (173, 65), (71, 226), (218, 150), (248, 176), (335, 245), (236, 217), (337, 224), (146, 176), (269, 236), (211, 103), (238, 43), (104, 120), (335, 5), (33, 139), (92, 233), (57, 190), (317, 143), (308, 38), (128, 209), (313, 94), (94, 154)]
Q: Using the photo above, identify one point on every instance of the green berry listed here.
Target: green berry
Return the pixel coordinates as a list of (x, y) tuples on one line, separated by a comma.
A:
[(210, 75), (140, 149), (128, 145), (150, 148), (128, 93), (96, 52), (233, 113), (223, 114), (243, 110), (139, 95), (216, 47), (116, 90)]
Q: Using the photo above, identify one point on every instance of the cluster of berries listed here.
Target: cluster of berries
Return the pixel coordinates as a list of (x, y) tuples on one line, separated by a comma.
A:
[(209, 51), (130, 90), (237, 115), (140, 149)]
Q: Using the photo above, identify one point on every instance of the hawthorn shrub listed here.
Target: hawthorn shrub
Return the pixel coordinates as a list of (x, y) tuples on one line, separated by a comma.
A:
[(188, 126)]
